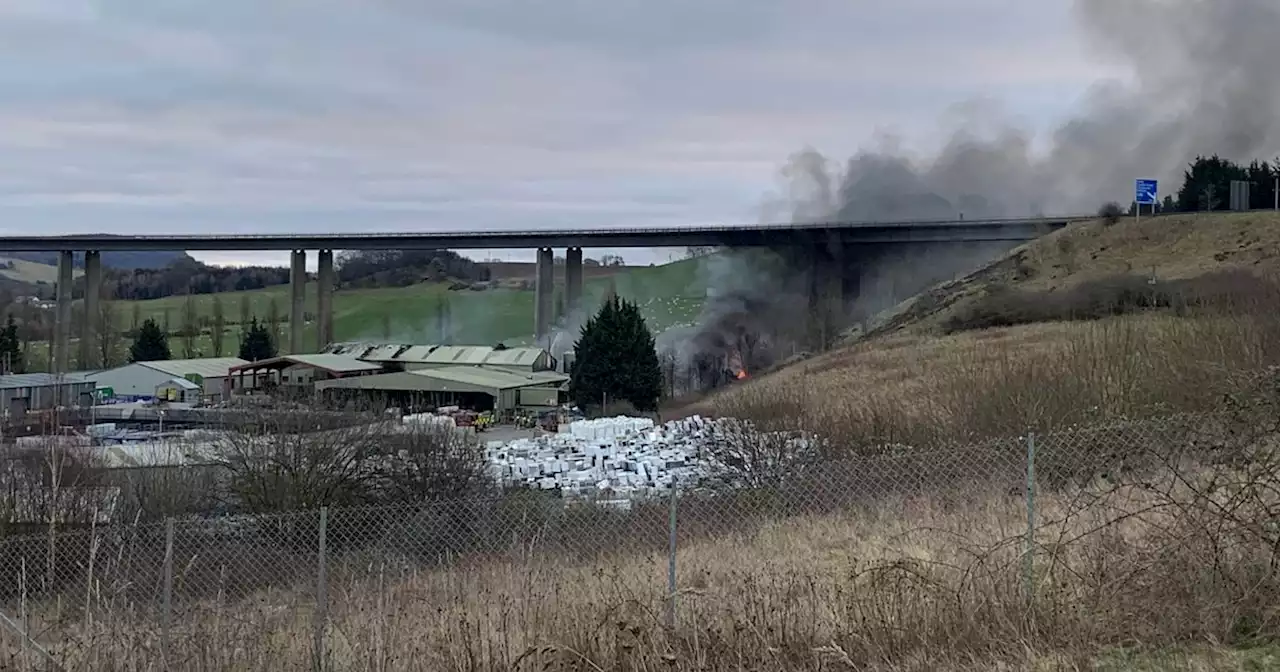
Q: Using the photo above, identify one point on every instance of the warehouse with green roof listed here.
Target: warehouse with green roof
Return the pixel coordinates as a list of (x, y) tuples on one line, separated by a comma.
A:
[(505, 391)]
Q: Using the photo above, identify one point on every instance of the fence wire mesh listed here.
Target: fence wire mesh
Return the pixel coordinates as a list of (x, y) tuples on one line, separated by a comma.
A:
[(427, 585)]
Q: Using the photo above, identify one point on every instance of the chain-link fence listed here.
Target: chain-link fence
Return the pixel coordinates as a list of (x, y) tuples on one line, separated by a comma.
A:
[(500, 582)]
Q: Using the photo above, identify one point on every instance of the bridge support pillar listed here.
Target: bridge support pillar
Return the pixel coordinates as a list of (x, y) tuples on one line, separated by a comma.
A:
[(60, 358), (324, 299), (572, 281), (826, 295), (544, 285), (297, 299), (89, 345)]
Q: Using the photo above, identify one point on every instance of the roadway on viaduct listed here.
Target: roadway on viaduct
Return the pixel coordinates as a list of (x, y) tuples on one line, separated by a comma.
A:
[(759, 235)]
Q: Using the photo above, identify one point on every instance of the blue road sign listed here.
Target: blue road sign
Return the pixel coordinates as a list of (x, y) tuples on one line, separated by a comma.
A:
[(1146, 191)]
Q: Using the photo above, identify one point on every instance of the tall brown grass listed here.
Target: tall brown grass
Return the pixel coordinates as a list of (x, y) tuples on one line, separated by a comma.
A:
[(1167, 565)]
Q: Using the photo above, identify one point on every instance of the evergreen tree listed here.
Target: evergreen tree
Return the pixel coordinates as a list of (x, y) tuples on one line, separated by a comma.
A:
[(615, 359), (11, 359), (151, 343), (1207, 184), (257, 343)]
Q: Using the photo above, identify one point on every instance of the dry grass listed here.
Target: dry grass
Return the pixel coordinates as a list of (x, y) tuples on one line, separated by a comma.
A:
[(922, 390), (921, 583), (1168, 248)]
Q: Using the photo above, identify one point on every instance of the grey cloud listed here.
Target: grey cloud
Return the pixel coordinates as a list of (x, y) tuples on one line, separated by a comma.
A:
[(344, 115), (1206, 82)]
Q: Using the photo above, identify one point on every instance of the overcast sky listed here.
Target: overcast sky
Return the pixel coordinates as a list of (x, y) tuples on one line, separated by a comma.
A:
[(143, 116)]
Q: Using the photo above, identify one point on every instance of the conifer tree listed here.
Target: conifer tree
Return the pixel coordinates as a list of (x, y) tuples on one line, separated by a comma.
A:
[(11, 359), (257, 343), (151, 344), (615, 359)]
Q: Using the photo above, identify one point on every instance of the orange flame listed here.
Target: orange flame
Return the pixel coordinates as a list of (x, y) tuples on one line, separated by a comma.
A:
[(742, 375)]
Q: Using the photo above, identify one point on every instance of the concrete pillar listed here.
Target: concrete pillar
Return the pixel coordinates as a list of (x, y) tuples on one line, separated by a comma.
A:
[(543, 288), (324, 299), (89, 350), (61, 355), (572, 281), (826, 295), (297, 299)]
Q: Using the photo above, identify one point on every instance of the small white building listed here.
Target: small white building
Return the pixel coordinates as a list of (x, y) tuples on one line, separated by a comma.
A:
[(139, 381), (179, 390)]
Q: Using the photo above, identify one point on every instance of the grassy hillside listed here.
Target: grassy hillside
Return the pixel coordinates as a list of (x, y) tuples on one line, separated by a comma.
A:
[(918, 375), (31, 272), (1107, 260), (668, 295)]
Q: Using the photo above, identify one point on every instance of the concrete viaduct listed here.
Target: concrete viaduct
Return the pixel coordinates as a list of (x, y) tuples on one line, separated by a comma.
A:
[(827, 244)]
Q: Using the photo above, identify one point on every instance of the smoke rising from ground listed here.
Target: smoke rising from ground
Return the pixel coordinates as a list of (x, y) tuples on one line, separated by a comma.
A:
[(1205, 81)]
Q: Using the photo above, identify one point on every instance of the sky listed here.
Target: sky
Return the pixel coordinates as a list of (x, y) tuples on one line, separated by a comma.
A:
[(241, 116)]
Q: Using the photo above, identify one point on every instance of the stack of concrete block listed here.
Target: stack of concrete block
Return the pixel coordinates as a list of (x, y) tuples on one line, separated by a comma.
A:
[(624, 456)]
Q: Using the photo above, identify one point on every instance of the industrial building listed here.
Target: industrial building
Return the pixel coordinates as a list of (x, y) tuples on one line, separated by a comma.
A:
[(24, 392), (299, 372), (179, 390), (141, 381), (481, 388)]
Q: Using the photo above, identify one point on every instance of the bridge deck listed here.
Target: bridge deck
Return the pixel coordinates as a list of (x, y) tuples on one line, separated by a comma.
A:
[(750, 235)]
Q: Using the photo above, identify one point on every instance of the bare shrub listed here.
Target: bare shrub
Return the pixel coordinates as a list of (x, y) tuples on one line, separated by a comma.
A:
[(740, 455), (52, 485), (281, 463), (1234, 291), (431, 462), (1110, 213), (153, 493)]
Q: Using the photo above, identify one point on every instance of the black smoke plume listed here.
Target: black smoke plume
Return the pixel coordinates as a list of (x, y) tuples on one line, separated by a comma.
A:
[(1204, 81)]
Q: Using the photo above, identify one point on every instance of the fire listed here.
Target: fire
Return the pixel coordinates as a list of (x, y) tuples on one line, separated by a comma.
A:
[(736, 365)]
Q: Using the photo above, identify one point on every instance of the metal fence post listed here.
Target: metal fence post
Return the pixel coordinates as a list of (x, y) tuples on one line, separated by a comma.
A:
[(166, 616), (1028, 557), (322, 600), (671, 559)]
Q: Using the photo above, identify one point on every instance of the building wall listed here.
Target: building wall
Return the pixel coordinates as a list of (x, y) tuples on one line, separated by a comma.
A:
[(301, 374), (16, 400), (137, 380), (215, 388), (132, 380), (176, 392), (539, 397)]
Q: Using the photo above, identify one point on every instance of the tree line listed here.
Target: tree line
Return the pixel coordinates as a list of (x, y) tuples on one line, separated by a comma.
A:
[(360, 269), (1206, 186)]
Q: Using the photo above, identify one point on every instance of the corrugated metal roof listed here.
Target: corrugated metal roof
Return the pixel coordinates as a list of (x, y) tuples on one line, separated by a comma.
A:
[(211, 367), (459, 354), (399, 381), (486, 377), (417, 353), (514, 357), (333, 363), (183, 383), (39, 380), (383, 352), (473, 355)]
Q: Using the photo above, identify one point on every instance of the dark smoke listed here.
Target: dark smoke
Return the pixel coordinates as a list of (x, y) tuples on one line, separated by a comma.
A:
[(1205, 80)]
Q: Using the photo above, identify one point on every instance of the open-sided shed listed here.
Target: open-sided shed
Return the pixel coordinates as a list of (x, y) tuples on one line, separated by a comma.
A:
[(301, 371), (476, 387)]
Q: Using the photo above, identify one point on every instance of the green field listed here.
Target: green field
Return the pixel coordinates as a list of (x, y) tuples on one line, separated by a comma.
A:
[(668, 295), (31, 272)]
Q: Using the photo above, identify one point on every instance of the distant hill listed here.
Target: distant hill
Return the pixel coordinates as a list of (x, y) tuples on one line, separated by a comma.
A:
[(120, 260)]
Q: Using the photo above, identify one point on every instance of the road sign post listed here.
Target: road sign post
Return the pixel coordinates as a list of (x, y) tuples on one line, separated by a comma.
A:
[(1145, 193)]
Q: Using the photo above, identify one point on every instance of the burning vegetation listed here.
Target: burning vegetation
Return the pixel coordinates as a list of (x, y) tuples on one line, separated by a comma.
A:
[(725, 349)]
